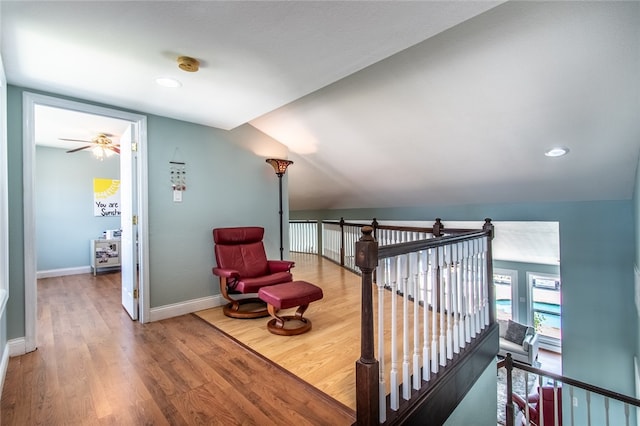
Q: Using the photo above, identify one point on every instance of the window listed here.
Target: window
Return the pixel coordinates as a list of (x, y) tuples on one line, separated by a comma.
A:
[(546, 306), (505, 286)]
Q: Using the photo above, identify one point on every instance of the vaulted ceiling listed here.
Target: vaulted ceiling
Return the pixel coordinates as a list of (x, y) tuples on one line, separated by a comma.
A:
[(380, 103)]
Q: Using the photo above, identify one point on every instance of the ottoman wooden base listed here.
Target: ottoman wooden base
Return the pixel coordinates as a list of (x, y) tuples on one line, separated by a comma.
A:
[(289, 295)]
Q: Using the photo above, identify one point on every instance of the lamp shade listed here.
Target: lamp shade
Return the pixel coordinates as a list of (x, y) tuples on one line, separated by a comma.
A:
[(280, 166)]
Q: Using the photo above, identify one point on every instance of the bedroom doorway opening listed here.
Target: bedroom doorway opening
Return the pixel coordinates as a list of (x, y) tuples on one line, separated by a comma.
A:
[(134, 164)]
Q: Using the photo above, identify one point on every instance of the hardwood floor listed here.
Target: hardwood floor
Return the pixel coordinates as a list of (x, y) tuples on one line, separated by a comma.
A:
[(96, 366), (325, 356)]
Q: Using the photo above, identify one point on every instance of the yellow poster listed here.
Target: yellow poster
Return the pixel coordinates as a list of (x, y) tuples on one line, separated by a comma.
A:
[(106, 197)]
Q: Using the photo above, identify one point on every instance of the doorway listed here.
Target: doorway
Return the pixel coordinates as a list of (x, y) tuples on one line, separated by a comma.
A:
[(136, 162)]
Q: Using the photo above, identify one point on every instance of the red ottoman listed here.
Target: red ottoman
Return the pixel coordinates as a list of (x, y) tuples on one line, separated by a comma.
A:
[(289, 295)]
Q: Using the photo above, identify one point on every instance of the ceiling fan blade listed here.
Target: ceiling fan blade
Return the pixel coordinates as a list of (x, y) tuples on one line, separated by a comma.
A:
[(79, 149), (74, 140), (114, 148)]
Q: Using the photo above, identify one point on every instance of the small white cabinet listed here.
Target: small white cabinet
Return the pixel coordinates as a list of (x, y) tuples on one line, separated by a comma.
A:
[(104, 254)]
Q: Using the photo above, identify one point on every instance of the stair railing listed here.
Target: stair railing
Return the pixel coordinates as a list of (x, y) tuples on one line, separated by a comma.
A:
[(588, 404), (432, 302)]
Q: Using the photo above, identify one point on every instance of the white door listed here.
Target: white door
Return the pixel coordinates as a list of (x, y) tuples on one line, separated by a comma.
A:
[(128, 209)]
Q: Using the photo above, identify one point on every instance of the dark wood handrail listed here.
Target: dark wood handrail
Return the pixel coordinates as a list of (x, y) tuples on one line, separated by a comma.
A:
[(398, 227), (573, 382), (413, 246)]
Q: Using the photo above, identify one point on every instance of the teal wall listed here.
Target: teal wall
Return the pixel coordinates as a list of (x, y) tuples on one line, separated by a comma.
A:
[(15, 305), (228, 184), (597, 249), (472, 409), (636, 220), (65, 221), (523, 291)]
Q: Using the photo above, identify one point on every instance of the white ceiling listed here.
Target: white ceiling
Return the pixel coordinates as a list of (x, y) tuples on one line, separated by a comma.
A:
[(380, 103)]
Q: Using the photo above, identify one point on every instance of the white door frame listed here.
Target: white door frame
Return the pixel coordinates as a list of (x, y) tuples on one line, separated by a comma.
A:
[(29, 101)]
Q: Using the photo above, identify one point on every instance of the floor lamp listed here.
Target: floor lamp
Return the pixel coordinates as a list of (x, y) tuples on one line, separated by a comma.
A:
[(280, 166)]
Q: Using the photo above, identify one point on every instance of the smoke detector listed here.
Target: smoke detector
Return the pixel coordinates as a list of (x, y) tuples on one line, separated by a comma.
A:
[(188, 64)]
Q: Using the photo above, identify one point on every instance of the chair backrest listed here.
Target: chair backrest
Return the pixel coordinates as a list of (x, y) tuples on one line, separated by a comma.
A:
[(241, 249), (548, 407)]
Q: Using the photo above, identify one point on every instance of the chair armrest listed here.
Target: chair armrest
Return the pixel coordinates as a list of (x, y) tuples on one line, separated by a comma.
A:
[(520, 402), (531, 344), (228, 273), (280, 265)]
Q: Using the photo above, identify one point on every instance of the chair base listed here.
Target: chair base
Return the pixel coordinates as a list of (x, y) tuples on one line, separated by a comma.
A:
[(246, 309), (286, 325)]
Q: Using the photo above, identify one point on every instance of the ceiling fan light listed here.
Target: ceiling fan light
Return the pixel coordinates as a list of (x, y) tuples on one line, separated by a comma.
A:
[(101, 152)]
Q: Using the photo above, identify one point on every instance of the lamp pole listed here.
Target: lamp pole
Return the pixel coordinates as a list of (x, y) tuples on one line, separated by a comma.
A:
[(280, 166)]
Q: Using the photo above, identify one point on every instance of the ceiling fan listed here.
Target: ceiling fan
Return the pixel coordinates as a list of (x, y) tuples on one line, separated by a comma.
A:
[(101, 145)]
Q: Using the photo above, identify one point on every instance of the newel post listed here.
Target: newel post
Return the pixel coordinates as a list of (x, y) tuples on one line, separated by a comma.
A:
[(509, 412), (488, 227), (367, 374)]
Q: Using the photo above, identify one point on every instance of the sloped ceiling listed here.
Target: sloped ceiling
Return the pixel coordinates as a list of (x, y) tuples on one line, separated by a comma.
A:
[(380, 103)]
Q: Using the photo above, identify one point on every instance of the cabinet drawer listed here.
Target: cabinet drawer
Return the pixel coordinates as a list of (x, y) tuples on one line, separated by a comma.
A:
[(107, 253)]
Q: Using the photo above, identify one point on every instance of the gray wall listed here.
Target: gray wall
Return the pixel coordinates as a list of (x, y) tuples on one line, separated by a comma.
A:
[(597, 247), (228, 184), (64, 206)]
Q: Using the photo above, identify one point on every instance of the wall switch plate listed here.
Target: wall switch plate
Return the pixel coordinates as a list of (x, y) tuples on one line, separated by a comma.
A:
[(575, 401), (177, 196)]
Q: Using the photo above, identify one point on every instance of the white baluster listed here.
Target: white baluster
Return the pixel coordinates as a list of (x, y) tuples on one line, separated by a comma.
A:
[(477, 284), (606, 410), (448, 291), (589, 408), (467, 291), (487, 280), (433, 266), (424, 267), (571, 405), (454, 299), (462, 295), (541, 402), (441, 308), (473, 287), (406, 381), (626, 414), (414, 259), (395, 399), (526, 397), (382, 277)]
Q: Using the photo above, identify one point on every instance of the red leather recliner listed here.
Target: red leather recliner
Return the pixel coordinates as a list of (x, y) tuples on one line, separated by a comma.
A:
[(548, 408), (243, 268)]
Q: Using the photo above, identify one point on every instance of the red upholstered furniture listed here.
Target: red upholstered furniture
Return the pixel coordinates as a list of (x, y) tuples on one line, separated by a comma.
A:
[(289, 295), (243, 268), (535, 407)]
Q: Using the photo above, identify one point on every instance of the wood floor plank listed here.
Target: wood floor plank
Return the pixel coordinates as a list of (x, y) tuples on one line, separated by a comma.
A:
[(94, 365)]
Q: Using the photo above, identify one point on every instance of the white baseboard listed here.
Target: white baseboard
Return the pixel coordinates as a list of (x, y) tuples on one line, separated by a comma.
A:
[(4, 363), (63, 272), (17, 346), (182, 308)]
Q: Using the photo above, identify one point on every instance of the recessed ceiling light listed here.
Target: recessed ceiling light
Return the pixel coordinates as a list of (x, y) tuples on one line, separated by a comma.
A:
[(556, 151), (167, 82)]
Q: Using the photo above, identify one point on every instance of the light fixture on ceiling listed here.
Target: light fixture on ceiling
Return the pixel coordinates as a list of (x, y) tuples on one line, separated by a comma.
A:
[(100, 152), (168, 82), (556, 151), (185, 63)]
